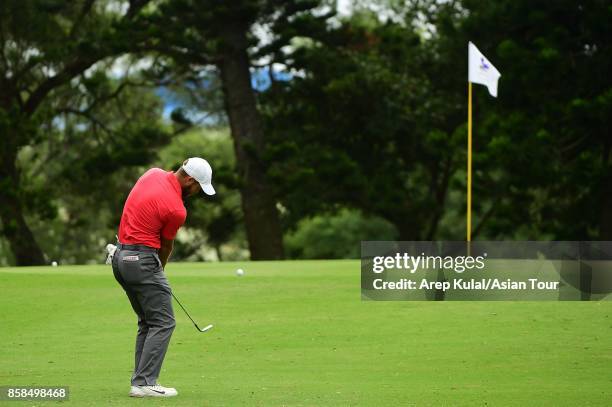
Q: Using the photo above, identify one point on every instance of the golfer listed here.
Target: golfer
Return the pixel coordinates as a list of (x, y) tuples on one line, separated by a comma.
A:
[(152, 215)]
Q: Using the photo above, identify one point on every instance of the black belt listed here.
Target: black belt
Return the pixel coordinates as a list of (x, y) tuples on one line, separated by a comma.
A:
[(136, 247)]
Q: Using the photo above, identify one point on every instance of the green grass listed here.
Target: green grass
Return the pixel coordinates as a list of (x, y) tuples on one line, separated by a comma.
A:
[(297, 334)]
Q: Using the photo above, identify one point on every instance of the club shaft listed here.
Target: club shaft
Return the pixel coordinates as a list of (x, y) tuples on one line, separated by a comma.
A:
[(184, 310)]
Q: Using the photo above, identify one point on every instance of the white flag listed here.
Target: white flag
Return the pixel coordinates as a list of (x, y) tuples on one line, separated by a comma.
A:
[(481, 70)]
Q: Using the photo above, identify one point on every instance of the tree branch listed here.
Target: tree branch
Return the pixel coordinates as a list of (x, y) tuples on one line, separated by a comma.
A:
[(112, 95), (70, 71), (84, 11), (135, 7), (486, 217), (2, 54), (178, 53), (86, 115), (440, 195), (74, 68)]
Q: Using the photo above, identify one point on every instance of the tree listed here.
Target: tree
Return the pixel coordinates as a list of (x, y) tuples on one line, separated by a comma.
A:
[(45, 47), (543, 147), (203, 34), (365, 126), (376, 120), (337, 236)]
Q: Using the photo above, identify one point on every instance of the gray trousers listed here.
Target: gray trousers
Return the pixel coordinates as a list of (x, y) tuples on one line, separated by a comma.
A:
[(141, 275)]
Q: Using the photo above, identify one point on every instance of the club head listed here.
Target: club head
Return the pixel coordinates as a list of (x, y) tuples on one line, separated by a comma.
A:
[(206, 328)]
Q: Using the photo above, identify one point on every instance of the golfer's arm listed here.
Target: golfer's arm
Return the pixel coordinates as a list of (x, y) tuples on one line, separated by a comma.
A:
[(165, 251)]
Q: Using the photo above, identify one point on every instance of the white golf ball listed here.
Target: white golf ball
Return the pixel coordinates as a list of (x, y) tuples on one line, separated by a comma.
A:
[(240, 272), (54, 263)]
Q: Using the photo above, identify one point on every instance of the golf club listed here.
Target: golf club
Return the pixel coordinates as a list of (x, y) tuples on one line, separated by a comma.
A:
[(206, 328)]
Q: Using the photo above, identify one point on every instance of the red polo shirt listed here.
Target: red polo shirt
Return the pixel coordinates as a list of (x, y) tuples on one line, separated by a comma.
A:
[(154, 208)]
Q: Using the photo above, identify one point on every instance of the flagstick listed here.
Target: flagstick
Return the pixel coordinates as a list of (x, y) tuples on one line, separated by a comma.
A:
[(469, 166)]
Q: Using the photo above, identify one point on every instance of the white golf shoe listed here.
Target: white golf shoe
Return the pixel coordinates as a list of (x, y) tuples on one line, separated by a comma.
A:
[(152, 391)]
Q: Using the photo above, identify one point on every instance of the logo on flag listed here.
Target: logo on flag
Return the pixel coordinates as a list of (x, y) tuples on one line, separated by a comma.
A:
[(483, 64), (481, 70)]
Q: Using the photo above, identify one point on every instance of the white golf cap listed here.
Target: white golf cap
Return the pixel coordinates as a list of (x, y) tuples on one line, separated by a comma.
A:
[(199, 169)]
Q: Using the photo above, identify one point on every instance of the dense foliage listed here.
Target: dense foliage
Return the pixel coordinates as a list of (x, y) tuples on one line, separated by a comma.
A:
[(358, 131)]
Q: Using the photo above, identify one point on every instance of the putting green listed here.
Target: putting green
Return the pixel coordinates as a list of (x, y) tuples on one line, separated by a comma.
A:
[(296, 333)]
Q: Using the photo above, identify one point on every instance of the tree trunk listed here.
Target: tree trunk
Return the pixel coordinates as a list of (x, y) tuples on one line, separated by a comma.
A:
[(605, 227), (218, 251), (439, 192), (261, 218), (14, 227), (408, 227)]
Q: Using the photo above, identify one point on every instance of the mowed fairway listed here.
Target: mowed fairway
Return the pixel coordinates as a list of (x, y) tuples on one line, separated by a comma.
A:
[(297, 334)]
